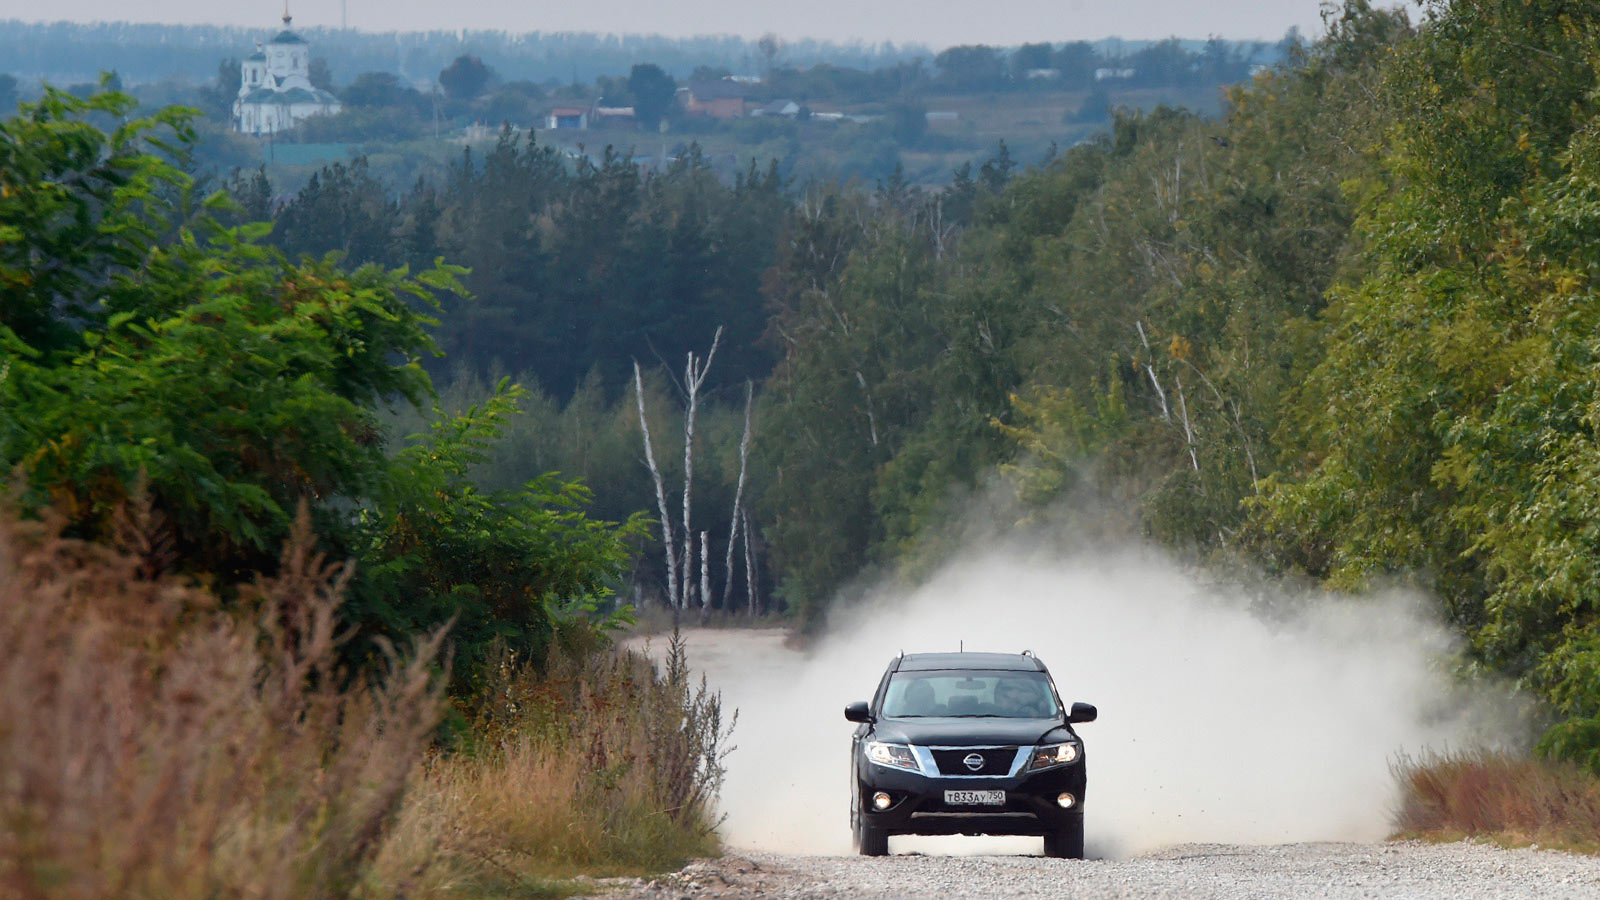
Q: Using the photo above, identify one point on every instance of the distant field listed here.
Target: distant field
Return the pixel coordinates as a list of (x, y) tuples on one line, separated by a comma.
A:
[(1029, 123)]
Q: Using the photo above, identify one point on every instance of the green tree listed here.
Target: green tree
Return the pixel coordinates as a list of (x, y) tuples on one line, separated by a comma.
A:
[(466, 78), (147, 351), (320, 76), (8, 94), (377, 89), (1030, 56), (1448, 427), (971, 67), (908, 122), (654, 93)]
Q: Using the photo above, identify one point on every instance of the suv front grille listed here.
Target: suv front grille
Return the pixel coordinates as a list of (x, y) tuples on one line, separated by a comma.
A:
[(996, 761)]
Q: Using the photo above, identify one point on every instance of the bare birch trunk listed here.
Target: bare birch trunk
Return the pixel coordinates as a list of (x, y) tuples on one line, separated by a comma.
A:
[(705, 576), (1151, 371), (1188, 433), (738, 494), (749, 566), (694, 376), (661, 494)]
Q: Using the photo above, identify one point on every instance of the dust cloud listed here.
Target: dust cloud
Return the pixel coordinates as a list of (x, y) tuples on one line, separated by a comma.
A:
[(1217, 723)]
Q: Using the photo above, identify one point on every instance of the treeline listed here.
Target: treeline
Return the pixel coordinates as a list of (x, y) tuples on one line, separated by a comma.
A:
[(572, 267), (573, 271), (1346, 332), (143, 53)]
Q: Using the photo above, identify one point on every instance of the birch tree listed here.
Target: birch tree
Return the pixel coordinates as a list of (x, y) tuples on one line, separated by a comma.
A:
[(738, 500), (667, 544), (681, 585), (694, 376)]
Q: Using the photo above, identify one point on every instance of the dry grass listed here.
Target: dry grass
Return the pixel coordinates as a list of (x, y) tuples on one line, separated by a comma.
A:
[(1509, 799), (600, 766), (156, 747)]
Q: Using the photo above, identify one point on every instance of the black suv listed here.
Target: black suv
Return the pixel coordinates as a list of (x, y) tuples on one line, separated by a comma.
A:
[(967, 743)]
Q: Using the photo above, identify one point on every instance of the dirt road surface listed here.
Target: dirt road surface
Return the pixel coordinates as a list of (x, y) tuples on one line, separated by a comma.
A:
[(1186, 872)]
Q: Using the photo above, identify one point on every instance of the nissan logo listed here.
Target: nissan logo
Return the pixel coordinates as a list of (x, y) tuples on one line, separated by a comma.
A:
[(974, 761)]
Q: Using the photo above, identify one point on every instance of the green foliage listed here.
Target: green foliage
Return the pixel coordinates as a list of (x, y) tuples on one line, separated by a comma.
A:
[(512, 568), (147, 348), (145, 341), (573, 269), (1449, 429), (908, 122), (78, 207), (654, 93), (465, 78), (1125, 325)]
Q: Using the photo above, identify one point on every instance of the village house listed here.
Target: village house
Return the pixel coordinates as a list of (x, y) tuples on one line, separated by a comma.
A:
[(567, 118), (619, 117), (722, 99)]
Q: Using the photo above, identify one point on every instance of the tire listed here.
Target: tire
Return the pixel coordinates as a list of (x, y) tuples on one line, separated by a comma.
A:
[(1065, 843), (871, 841), (868, 841)]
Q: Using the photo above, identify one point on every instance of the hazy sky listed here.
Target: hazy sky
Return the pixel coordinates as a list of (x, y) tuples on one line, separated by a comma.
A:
[(935, 22)]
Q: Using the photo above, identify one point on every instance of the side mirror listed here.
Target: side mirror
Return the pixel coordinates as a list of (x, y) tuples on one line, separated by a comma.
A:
[(857, 712), (1083, 712)]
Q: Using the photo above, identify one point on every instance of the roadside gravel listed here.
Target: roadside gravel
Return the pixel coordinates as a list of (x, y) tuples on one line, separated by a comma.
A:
[(1190, 872)]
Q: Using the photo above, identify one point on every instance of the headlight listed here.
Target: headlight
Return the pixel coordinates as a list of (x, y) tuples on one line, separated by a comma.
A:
[(895, 756), (1047, 755)]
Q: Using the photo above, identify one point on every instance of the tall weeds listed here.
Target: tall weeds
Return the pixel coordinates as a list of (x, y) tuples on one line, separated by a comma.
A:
[(153, 746), (599, 765), (1502, 797)]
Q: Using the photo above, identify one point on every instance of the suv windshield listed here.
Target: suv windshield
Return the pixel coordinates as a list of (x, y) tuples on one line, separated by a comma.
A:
[(1006, 694)]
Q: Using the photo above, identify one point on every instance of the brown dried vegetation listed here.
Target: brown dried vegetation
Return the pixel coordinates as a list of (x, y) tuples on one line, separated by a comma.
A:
[(599, 765), (1509, 799), (155, 746)]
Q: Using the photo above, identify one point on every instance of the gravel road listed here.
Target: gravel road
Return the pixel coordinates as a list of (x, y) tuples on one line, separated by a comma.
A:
[(1326, 871)]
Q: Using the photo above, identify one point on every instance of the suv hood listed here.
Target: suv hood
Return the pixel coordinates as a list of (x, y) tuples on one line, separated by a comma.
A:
[(974, 730)]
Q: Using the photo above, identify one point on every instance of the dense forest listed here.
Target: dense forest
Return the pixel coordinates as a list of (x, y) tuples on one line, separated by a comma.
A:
[(1343, 333)]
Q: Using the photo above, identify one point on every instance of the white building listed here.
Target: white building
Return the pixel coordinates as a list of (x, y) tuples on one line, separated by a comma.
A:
[(275, 88)]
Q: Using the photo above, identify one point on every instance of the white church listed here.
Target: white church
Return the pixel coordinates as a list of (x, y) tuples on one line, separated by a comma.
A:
[(275, 89)]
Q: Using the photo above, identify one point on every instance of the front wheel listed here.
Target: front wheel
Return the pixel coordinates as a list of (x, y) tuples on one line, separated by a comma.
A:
[(868, 841), (1066, 842), (871, 841)]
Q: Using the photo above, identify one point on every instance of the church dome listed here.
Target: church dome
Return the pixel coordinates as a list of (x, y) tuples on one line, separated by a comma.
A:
[(288, 37)]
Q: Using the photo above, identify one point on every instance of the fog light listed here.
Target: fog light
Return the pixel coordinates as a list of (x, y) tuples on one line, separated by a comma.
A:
[(1066, 801), (880, 800)]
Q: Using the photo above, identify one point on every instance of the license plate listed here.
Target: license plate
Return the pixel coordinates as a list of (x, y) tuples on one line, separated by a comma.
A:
[(975, 798)]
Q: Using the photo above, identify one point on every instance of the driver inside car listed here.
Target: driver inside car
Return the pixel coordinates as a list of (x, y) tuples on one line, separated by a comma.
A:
[(1016, 698), (919, 700)]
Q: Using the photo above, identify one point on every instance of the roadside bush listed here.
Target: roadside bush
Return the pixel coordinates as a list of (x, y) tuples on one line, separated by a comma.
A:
[(602, 765), (154, 747), (1509, 799)]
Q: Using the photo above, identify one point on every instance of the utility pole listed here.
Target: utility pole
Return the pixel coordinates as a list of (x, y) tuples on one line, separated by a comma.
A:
[(344, 15)]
